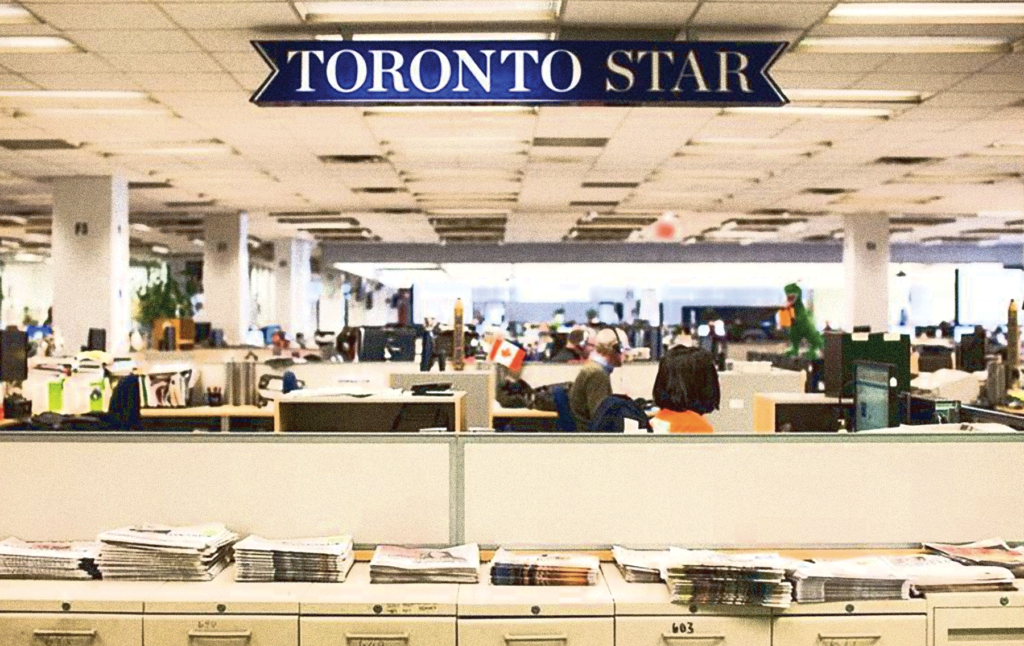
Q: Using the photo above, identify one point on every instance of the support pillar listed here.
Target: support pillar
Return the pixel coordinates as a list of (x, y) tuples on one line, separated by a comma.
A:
[(226, 297), (866, 270), (292, 277), (90, 260)]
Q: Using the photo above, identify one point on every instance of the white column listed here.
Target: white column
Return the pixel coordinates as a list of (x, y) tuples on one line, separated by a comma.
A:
[(292, 276), (866, 270), (226, 275), (90, 260)]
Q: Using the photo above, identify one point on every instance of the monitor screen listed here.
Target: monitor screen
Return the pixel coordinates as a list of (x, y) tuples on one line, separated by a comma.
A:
[(872, 398), (13, 355)]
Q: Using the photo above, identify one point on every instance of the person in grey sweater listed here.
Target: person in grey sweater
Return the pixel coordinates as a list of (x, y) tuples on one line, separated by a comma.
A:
[(593, 383)]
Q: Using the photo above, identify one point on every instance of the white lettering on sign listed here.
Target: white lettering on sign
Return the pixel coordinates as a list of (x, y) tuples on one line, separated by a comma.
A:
[(519, 58), (624, 72), (656, 69), (445, 76), (545, 70), (724, 71), (482, 77), (379, 70), (691, 64), (305, 54), (332, 71)]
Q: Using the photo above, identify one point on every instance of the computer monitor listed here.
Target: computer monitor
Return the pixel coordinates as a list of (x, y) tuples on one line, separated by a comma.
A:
[(401, 344), (372, 343), (97, 340), (841, 351), (13, 355), (875, 396)]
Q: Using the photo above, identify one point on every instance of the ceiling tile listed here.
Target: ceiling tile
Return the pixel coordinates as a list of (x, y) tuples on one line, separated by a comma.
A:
[(82, 81), (66, 63), (182, 83), (645, 13), (232, 15), (79, 15), (183, 63), (152, 41), (764, 15)]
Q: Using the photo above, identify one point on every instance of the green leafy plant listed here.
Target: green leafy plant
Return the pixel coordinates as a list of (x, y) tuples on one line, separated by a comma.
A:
[(165, 299)]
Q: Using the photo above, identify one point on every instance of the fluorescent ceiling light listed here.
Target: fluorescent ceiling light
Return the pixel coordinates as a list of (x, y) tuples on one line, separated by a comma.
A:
[(1007, 215), (140, 227), (505, 35), (808, 111), (750, 147), (160, 249), (24, 256), (884, 201), (991, 242), (93, 112), (198, 242), (14, 219), (36, 45), (329, 37), (407, 11), (858, 96), (926, 13), (10, 244), (37, 238), (464, 196), (907, 45), (701, 175), (184, 150), (950, 178), (12, 14), (690, 240), (931, 242)]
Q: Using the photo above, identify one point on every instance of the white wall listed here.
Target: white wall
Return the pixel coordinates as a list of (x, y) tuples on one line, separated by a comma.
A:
[(26, 285)]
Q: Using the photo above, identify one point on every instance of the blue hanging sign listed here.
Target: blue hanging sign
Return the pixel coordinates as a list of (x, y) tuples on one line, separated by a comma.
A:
[(519, 72)]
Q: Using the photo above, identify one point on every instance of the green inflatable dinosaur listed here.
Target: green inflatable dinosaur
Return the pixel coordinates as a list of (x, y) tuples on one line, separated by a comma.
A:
[(802, 327)]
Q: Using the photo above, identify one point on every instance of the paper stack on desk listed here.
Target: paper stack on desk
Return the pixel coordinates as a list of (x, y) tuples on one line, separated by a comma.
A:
[(160, 553), (705, 577), (318, 560), (640, 566), (930, 573), (992, 552), (858, 579), (37, 560), (508, 568), (459, 564)]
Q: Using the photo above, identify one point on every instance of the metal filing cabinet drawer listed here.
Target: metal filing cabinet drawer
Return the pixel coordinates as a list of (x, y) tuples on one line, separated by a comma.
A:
[(694, 631), (871, 630), (537, 632), (45, 629), (234, 630), (371, 631), (979, 626)]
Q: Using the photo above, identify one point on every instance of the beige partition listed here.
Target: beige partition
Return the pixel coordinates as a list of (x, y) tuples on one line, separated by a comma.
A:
[(381, 489), (477, 384), (742, 491)]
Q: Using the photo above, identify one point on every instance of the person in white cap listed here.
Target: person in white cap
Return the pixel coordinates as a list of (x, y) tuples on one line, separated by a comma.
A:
[(593, 383)]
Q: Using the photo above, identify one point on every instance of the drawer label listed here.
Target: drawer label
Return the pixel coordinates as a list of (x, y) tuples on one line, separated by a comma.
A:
[(408, 609), (682, 628), (378, 641)]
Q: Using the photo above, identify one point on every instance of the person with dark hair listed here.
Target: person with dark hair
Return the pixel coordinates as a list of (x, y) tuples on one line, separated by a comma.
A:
[(685, 390), (575, 349)]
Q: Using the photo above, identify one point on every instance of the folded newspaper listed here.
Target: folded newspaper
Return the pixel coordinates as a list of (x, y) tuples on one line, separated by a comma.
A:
[(392, 564), (162, 553), (991, 552), (508, 568), (706, 577), (48, 560), (319, 560), (640, 566)]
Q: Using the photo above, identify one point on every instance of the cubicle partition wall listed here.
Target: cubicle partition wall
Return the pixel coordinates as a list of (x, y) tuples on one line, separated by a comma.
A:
[(558, 491)]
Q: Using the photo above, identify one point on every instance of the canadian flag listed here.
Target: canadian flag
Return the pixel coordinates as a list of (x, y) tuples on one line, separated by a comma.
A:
[(507, 354)]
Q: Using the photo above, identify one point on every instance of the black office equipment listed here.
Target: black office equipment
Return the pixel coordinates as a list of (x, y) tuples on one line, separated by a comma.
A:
[(875, 396), (401, 344), (878, 348), (13, 355), (931, 358), (97, 340), (372, 344), (203, 331), (920, 410), (217, 338), (813, 417), (970, 352)]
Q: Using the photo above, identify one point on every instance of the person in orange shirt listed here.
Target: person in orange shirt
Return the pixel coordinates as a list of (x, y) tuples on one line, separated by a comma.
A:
[(685, 390)]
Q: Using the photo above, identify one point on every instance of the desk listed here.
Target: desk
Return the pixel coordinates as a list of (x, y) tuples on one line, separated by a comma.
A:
[(373, 414), (523, 420), (805, 412), (208, 418)]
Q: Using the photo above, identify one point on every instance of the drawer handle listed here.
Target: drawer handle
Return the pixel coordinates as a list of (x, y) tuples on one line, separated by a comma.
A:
[(84, 634), (394, 637), (839, 638), (527, 639), (203, 634), (673, 637)]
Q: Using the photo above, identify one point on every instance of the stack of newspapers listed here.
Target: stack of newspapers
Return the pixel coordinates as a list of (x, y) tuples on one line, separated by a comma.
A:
[(508, 568), (640, 566), (991, 552), (712, 578), (161, 553), (459, 564), (37, 560), (318, 560), (860, 579)]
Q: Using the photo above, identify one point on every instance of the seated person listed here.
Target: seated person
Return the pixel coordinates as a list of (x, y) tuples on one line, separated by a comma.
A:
[(575, 349), (685, 389), (594, 383)]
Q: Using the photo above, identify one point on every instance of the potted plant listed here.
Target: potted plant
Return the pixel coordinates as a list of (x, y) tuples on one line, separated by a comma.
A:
[(163, 303)]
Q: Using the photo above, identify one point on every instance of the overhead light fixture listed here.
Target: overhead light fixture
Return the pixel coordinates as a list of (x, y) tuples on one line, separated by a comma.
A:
[(709, 175), (329, 37), (926, 13), (690, 240), (439, 11), (750, 147), (500, 35), (12, 14), (1003, 215), (884, 202), (10, 244), (746, 242), (174, 150), (198, 242), (905, 45), (931, 242), (796, 227), (469, 212), (951, 178), (160, 249), (24, 256), (140, 227), (36, 45), (990, 242), (16, 220), (857, 96), (74, 95), (92, 112), (799, 112)]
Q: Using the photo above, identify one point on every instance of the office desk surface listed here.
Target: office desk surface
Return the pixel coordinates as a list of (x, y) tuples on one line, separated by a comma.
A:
[(210, 411), (497, 410)]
